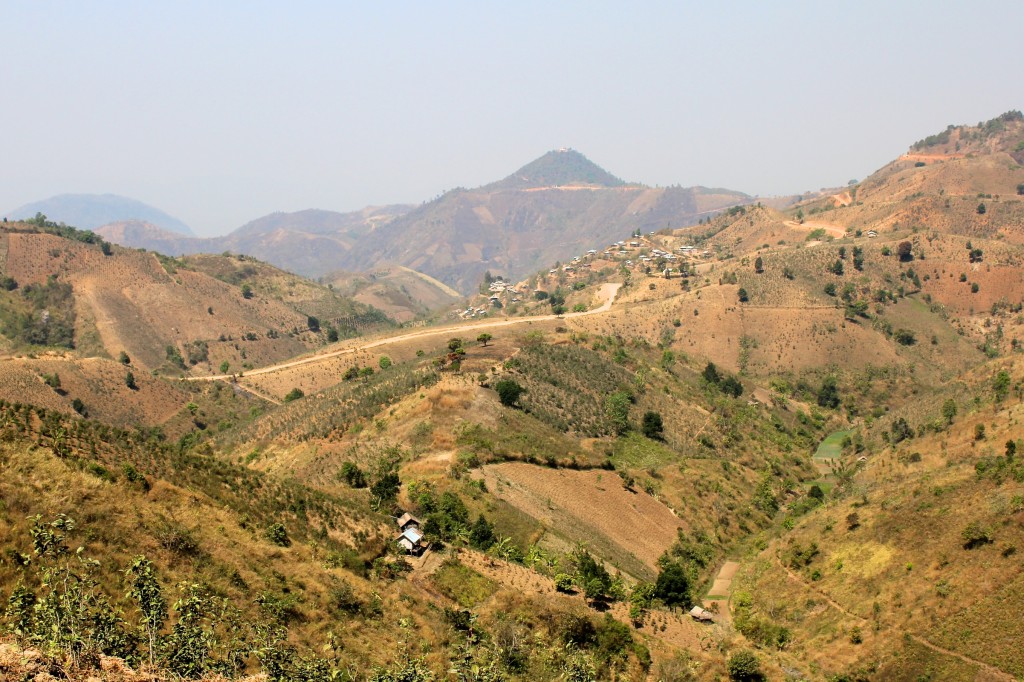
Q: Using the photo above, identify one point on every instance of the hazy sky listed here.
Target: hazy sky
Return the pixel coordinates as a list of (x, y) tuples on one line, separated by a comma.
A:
[(220, 112)]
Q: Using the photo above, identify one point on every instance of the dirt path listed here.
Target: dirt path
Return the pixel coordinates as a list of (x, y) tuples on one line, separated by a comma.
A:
[(607, 291), (995, 673), (722, 587)]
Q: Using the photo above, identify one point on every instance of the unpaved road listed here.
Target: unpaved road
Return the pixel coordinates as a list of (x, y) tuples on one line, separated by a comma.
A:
[(606, 292)]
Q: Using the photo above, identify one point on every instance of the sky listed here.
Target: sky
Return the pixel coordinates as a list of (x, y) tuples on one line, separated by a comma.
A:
[(221, 112)]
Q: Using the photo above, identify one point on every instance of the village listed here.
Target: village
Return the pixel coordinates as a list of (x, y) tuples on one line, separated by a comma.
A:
[(649, 254)]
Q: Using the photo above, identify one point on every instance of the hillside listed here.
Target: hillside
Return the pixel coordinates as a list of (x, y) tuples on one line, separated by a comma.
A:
[(548, 210), (73, 291), (804, 419), (90, 211)]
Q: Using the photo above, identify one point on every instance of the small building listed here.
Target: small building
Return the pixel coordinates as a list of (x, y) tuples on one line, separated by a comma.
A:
[(411, 537), (702, 615), (872, 234)]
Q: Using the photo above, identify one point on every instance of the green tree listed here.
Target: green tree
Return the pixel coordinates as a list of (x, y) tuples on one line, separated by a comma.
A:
[(484, 339), (481, 535), (294, 394), (129, 381), (509, 392), (711, 374), (278, 535), (616, 408), (828, 394), (384, 362), (744, 666), (742, 295), (949, 410), (246, 291), (1001, 385), (759, 265), (673, 585), (144, 589), (652, 425), (353, 475), (982, 209), (123, 358), (312, 323)]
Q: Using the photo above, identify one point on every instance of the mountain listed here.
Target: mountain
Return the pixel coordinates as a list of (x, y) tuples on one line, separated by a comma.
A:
[(557, 168), (551, 209), (67, 291), (803, 420), (90, 211)]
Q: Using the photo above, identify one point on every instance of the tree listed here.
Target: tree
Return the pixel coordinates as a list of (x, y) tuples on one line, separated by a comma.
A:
[(129, 381), (246, 291), (904, 251), (1020, 189), (711, 374), (1001, 385), (742, 294), (484, 338), (313, 323), (123, 358), (353, 475), (904, 337), (616, 407), (652, 425), (828, 394), (744, 666), (294, 394), (454, 344), (145, 590), (837, 268), (384, 362), (949, 410), (673, 585), (481, 535), (759, 265), (278, 535), (509, 392), (830, 289), (982, 209)]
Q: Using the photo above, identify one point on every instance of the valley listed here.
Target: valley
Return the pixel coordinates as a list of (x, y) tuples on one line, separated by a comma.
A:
[(682, 430)]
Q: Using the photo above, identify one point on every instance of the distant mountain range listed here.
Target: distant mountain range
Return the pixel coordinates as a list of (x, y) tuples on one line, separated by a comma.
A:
[(550, 209), (89, 211)]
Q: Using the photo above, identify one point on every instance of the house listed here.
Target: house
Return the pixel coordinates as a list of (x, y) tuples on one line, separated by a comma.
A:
[(872, 234), (411, 537), (702, 615)]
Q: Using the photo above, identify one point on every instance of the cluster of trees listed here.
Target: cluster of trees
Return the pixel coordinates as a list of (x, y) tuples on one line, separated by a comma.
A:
[(726, 383), (47, 316), (60, 607)]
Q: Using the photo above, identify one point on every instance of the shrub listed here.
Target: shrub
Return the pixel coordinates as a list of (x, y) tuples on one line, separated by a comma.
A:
[(904, 251), (509, 392), (278, 535), (294, 394), (982, 209), (742, 295), (353, 475), (129, 381), (744, 666), (976, 535), (905, 337), (652, 425)]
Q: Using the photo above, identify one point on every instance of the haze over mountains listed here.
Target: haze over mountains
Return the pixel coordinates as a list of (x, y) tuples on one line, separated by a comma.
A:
[(803, 421), (89, 211), (550, 209)]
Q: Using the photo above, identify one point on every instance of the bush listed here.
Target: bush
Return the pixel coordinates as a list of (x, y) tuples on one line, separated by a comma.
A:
[(905, 337), (742, 294), (508, 392), (278, 535), (904, 251), (976, 535), (353, 475), (652, 425), (744, 666), (129, 381), (294, 394)]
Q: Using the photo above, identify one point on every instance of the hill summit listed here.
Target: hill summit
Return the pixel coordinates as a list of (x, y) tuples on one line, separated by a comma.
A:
[(558, 168), (90, 211)]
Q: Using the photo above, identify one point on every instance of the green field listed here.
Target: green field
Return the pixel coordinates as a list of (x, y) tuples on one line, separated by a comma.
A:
[(832, 446)]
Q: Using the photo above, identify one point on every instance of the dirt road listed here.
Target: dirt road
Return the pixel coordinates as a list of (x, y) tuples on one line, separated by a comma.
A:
[(607, 292)]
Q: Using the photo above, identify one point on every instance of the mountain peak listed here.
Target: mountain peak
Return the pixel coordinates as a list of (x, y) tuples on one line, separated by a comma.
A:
[(558, 168), (90, 211)]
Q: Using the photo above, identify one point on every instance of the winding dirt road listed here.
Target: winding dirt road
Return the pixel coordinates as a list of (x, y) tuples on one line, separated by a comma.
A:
[(607, 292)]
